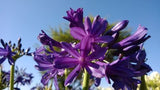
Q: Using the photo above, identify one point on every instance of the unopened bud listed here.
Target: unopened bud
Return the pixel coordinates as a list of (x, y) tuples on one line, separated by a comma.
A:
[(27, 50), (10, 43), (19, 46), (19, 40), (119, 26), (2, 42), (13, 45)]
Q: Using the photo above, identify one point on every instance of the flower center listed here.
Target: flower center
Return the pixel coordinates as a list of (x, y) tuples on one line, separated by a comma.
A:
[(82, 61)]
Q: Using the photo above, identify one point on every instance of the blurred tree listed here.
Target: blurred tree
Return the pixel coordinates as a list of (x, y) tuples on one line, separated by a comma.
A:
[(152, 81)]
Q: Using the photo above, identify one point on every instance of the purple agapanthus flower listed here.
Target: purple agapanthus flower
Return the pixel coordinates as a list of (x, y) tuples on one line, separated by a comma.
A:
[(121, 74), (75, 17), (118, 27), (20, 77), (45, 62), (92, 30), (6, 53), (80, 60), (123, 71), (138, 59), (5, 77), (137, 38), (23, 78), (89, 53), (46, 40)]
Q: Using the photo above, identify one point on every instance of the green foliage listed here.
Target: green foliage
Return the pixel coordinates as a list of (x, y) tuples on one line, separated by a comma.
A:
[(62, 35), (153, 81)]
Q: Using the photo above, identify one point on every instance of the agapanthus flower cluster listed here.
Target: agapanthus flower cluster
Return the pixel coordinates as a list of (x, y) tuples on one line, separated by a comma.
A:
[(89, 54), (12, 51), (21, 78)]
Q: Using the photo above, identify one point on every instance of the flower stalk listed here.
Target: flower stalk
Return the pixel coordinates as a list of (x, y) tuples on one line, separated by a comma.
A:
[(143, 83), (0, 75), (66, 74), (12, 78), (85, 80)]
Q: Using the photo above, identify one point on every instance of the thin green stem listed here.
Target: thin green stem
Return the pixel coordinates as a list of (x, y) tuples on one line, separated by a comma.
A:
[(85, 80), (143, 85), (0, 77), (12, 78), (66, 74)]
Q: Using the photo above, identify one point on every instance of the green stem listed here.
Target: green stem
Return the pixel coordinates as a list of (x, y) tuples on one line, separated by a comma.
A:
[(143, 83), (0, 77), (12, 78), (85, 80), (66, 74)]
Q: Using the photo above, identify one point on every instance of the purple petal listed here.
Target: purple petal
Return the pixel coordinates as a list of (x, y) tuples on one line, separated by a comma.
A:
[(3, 52), (97, 82), (98, 26), (104, 39), (48, 75), (130, 49), (85, 46), (77, 33), (138, 37), (94, 72), (70, 49), (75, 17), (43, 67), (94, 65), (60, 72), (2, 60), (46, 40), (66, 62), (72, 76), (10, 60), (141, 55), (87, 25), (97, 54), (43, 59), (119, 26), (55, 81)]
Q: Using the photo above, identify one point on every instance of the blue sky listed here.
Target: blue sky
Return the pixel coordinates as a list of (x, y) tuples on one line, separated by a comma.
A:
[(25, 19)]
